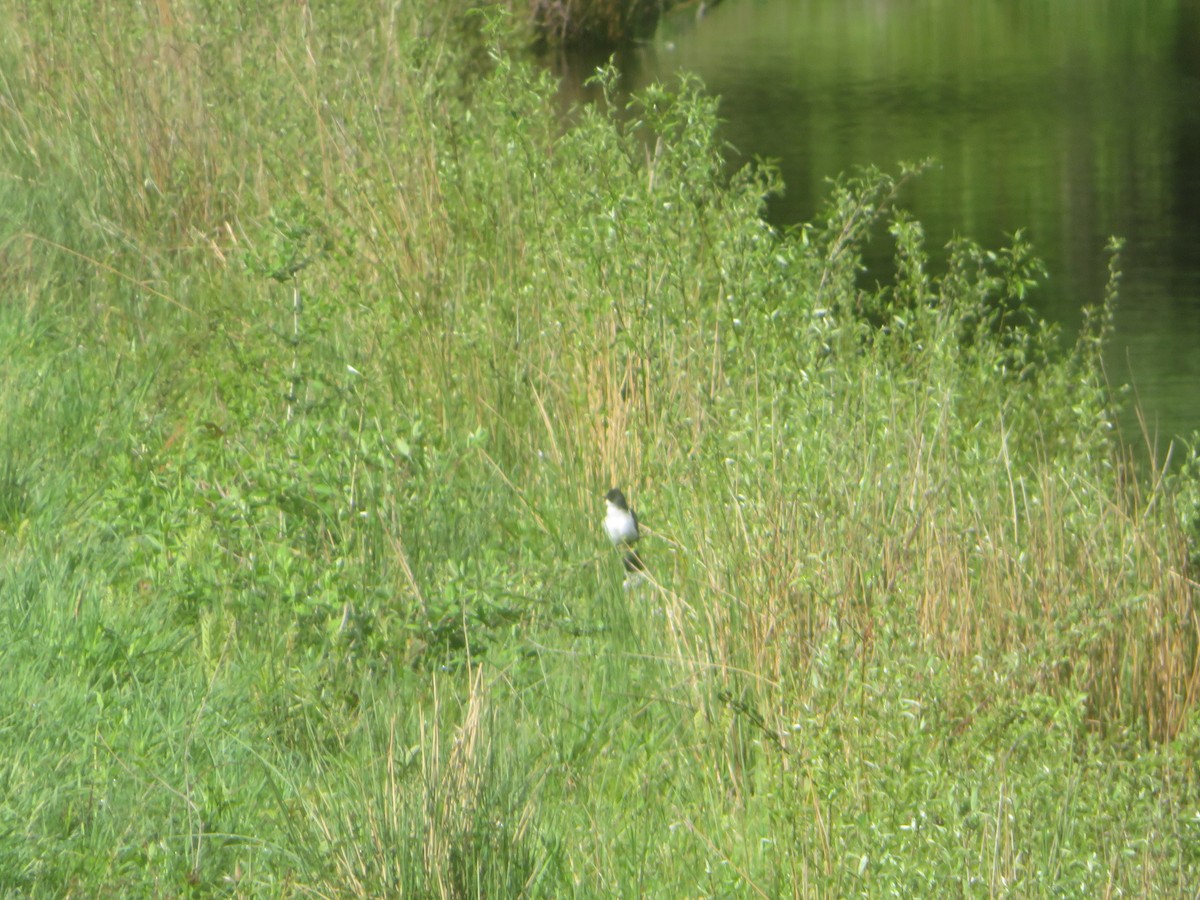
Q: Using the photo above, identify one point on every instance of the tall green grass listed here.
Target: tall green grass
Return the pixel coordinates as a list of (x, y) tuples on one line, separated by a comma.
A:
[(325, 335)]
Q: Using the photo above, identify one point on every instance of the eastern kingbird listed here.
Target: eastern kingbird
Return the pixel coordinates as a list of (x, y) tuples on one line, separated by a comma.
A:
[(620, 523)]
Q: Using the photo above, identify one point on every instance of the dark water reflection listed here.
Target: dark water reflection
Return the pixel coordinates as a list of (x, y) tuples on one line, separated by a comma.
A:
[(1071, 120)]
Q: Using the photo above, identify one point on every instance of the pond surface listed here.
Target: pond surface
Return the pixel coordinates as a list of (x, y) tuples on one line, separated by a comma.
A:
[(1071, 119)]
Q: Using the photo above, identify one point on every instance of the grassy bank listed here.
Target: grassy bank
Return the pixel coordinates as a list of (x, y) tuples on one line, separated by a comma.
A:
[(324, 338)]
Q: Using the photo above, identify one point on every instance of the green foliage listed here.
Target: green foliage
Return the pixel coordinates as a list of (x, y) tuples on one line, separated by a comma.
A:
[(314, 398)]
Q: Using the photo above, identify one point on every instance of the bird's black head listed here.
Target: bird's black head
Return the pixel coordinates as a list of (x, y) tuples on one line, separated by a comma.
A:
[(616, 498)]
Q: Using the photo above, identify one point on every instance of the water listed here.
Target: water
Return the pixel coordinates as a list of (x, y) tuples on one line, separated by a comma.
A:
[(1071, 119)]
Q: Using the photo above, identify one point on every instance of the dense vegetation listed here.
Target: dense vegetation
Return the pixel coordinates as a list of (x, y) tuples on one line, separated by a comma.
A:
[(604, 23), (324, 337)]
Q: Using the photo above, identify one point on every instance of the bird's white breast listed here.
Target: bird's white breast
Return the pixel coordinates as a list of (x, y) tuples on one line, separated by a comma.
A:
[(620, 525)]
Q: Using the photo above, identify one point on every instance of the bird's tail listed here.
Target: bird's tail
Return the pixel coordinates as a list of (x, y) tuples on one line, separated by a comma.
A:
[(633, 562)]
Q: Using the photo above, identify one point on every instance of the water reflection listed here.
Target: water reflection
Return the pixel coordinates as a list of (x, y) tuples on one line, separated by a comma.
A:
[(1072, 121)]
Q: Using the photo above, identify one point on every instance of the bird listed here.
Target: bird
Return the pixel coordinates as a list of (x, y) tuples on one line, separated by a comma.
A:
[(621, 526)]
